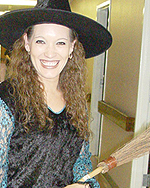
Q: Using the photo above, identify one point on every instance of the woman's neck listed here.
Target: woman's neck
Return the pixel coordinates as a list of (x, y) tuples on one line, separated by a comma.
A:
[(54, 97)]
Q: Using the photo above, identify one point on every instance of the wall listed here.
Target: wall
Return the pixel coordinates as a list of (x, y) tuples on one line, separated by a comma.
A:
[(124, 57), (122, 72), (87, 8), (122, 75)]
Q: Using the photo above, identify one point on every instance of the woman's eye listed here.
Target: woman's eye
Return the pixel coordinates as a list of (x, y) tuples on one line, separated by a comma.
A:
[(40, 42), (61, 43)]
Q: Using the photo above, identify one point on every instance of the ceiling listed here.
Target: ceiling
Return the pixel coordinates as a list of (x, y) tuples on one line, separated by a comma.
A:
[(5, 6)]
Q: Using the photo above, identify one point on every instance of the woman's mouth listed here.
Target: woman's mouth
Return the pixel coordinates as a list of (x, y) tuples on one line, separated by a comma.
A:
[(49, 64)]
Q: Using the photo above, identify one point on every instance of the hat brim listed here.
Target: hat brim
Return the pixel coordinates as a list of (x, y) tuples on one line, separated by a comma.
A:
[(94, 37)]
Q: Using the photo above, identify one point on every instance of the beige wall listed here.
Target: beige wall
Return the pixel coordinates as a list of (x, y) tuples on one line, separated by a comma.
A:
[(122, 75), (122, 71), (87, 8), (124, 55)]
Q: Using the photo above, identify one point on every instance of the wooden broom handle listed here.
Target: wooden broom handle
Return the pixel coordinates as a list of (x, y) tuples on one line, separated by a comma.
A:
[(110, 163), (91, 174)]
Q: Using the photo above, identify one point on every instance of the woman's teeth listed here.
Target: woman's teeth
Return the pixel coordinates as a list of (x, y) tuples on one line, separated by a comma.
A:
[(49, 63)]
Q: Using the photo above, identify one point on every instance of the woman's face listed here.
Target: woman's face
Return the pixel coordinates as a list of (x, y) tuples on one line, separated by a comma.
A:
[(49, 48)]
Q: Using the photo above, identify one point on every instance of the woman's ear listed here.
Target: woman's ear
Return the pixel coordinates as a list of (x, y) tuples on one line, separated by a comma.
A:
[(27, 47), (72, 46)]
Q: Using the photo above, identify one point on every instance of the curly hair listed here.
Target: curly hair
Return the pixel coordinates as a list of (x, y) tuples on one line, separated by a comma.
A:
[(30, 90)]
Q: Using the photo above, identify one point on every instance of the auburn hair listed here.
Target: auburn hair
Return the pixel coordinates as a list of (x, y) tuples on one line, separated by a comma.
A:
[(30, 90)]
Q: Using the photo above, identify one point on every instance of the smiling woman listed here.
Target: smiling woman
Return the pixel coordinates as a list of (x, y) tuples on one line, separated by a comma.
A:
[(50, 48), (43, 123)]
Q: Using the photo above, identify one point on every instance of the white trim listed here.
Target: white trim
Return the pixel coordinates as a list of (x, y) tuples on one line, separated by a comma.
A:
[(139, 166), (97, 87), (103, 5), (3, 12), (18, 2)]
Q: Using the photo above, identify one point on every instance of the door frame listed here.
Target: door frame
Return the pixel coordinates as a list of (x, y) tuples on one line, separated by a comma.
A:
[(98, 84), (140, 166)]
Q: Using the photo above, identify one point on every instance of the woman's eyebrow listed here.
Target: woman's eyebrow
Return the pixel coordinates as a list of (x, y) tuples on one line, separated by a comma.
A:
[(38, 36), (63, 38)]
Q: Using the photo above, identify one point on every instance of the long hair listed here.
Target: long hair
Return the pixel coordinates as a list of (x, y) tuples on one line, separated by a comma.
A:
[(30, 91)]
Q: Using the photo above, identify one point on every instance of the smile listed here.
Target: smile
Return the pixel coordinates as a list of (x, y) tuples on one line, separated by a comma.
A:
[(49, 64)]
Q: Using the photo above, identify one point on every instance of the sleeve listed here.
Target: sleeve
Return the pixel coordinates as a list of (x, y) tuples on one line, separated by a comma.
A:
[(83, 166), (6, 127)]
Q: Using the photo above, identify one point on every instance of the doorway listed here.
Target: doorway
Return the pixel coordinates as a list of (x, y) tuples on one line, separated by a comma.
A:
[(99, 79)]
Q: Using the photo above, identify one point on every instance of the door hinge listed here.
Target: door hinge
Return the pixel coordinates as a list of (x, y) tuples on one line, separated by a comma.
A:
[(146, 180)]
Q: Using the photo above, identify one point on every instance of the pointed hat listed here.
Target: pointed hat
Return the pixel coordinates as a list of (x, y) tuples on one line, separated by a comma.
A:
[(94, 37)]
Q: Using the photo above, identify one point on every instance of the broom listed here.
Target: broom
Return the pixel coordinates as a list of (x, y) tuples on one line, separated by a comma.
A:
[(135, 148)]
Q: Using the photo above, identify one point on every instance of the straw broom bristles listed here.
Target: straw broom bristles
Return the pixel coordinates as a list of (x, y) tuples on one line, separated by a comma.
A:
[(135, 148)]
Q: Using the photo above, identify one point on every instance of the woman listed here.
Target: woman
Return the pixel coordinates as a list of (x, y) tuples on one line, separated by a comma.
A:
[(43, 121)]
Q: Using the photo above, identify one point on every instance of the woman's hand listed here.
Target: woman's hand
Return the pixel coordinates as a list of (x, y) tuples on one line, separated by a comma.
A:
[(77, 185)]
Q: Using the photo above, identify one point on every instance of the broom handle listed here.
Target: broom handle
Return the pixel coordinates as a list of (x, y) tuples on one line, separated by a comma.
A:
[(115, 158), (91, 174)]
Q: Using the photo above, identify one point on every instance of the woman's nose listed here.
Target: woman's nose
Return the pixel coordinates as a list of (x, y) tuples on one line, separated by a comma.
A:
[(50, 51)]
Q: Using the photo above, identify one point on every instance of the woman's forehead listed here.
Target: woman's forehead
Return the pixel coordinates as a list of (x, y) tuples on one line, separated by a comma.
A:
[(51, 29)]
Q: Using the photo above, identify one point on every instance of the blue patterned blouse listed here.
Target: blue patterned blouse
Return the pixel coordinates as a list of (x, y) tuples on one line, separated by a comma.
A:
[(82, 166)]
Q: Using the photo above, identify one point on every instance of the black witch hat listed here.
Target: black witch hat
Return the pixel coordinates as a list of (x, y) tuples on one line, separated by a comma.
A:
[(94, 37)]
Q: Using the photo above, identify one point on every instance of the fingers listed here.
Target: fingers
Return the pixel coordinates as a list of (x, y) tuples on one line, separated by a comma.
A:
[(77, 185), (87, 185)]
